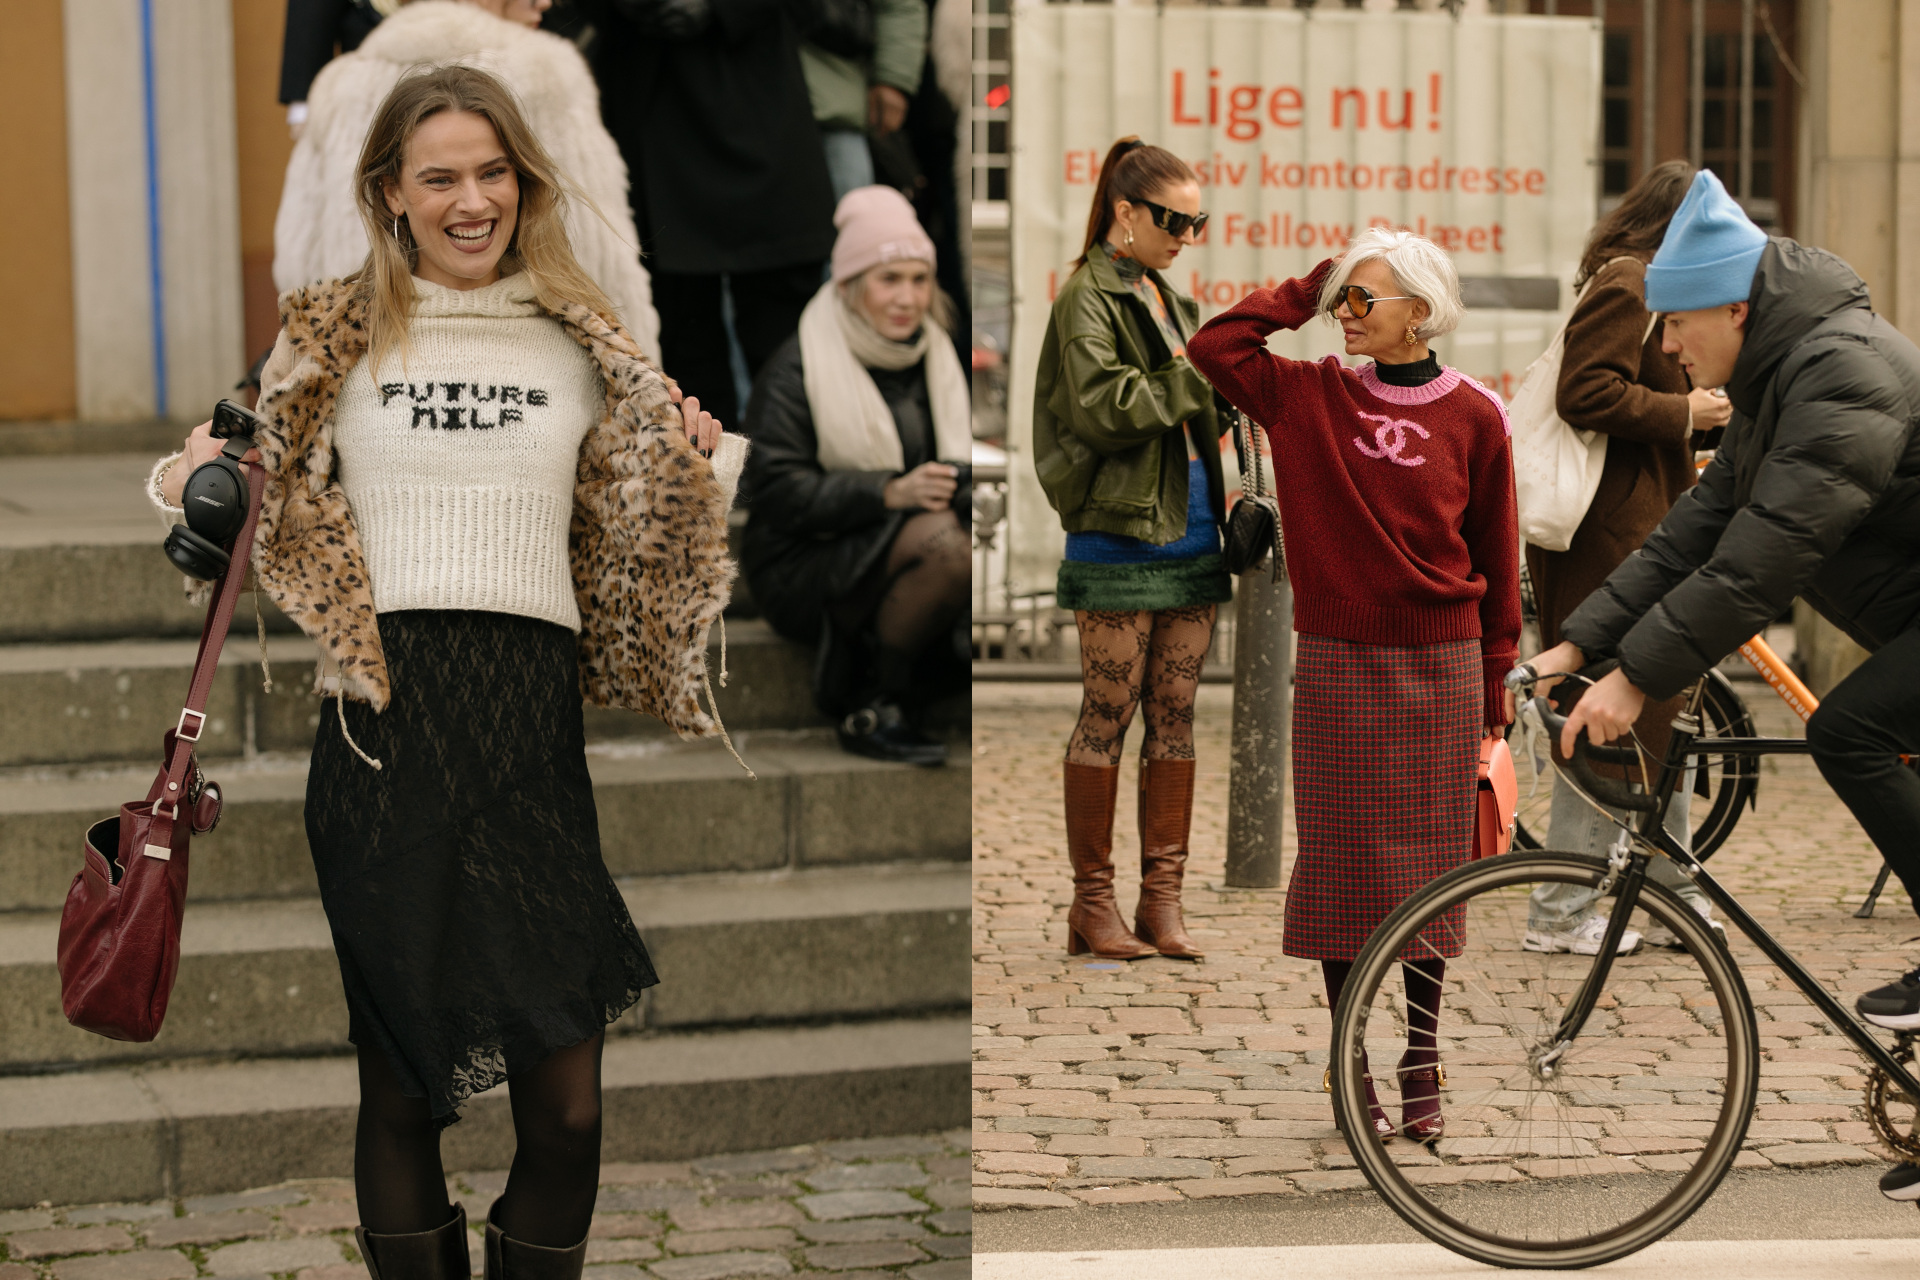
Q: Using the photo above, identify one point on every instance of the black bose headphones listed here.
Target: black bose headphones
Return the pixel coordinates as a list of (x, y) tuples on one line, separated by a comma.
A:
[(215, 498)]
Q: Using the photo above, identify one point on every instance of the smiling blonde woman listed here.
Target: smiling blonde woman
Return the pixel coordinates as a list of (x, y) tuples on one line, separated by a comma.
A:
[(457, 441), (1396, 494)]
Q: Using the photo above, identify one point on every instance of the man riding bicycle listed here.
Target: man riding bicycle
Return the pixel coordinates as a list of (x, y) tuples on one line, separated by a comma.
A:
[(1815, 492)]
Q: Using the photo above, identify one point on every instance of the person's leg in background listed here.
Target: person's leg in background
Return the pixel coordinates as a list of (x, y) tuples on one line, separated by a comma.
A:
[(929, 570), (849, 161), (693, 341), (1175, 656), (767, 307), (1561, 917)]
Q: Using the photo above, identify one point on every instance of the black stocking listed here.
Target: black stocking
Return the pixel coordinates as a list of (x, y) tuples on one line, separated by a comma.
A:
[(929, 573), (1424, 979), (556, 1165), (397, 1176)]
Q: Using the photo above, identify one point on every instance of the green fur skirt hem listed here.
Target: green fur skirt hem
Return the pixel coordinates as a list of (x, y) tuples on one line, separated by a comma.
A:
[(1129, 588)]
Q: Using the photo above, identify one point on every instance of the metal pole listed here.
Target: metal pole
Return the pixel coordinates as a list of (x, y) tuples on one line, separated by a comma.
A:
[(1697, 85), (1745, 189), (1649, 64), (1262, 692), (1600, 143)]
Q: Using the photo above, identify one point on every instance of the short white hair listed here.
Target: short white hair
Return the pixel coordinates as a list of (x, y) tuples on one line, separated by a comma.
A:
[(1421, 269)]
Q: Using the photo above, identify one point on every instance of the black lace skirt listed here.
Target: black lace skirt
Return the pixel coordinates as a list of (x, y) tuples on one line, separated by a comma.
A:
[(477, 926)]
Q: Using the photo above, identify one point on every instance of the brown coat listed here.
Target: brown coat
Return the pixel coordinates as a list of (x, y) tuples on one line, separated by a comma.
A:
[(1615, 379)]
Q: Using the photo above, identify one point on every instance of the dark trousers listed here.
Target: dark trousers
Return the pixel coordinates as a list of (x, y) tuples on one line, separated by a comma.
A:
[(1858, 735), (693, 334)]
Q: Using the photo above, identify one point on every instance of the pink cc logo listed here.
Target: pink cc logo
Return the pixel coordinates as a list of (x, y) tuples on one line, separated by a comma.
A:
[(1391, 437)]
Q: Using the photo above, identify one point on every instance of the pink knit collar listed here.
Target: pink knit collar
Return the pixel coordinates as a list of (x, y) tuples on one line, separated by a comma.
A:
[(1449, 379)]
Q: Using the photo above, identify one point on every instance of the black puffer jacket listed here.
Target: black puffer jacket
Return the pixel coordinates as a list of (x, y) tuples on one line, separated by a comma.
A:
[(1815, 491)]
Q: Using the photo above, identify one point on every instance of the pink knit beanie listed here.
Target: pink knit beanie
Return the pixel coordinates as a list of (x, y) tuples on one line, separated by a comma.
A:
[(876, 225)]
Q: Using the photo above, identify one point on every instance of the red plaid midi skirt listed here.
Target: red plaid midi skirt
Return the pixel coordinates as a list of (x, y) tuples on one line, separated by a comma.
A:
[(1386, 748)]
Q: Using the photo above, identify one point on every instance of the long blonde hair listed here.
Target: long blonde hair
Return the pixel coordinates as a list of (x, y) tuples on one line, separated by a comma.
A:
[(539, 245)]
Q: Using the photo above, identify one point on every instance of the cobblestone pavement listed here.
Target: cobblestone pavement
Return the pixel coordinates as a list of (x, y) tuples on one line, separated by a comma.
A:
[(1099, 1082), (859, 1210)]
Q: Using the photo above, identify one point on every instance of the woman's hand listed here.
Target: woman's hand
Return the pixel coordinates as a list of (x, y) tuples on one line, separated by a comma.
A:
[(929, 485), (200, 447), (703, 429), (1707, 409)]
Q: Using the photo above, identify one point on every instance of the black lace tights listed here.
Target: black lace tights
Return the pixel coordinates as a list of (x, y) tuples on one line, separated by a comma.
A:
[(1130, 658), (402, 1188)]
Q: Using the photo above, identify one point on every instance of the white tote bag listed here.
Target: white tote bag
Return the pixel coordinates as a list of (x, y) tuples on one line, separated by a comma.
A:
[(1556, 469)]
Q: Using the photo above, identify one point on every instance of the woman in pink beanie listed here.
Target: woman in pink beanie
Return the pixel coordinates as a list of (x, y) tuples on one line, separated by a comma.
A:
[(856, 542)]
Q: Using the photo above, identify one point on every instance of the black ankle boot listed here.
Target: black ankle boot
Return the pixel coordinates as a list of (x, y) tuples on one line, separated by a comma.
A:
[(440, 1254), (881, 731), (510, 1259)]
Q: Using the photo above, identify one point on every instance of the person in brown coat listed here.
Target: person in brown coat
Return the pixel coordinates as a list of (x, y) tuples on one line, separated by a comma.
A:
[(1615, 379)]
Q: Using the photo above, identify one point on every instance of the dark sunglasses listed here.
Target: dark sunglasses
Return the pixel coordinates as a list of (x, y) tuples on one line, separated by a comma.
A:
[(1358, 300), (1173, 222)]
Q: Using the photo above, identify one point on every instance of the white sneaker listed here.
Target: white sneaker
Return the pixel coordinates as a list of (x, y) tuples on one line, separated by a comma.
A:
[(1582, 940), (1658, 935)]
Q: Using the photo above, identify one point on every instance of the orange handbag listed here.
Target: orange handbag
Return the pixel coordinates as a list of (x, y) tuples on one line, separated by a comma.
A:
[(1496, 799)]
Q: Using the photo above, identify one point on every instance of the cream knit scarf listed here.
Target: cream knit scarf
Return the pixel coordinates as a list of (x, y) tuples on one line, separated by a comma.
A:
[(851, 421)]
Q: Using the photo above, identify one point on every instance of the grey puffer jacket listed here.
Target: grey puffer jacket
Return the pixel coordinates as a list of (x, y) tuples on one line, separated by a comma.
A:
[(1815, 491)]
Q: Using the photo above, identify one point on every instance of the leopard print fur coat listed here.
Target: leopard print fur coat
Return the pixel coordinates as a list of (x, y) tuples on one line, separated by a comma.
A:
[(648, 540)]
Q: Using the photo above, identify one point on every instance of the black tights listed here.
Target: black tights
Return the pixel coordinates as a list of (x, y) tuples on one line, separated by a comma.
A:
[(929, 572), (1127, 658), (402, 1188), (1423, 978)]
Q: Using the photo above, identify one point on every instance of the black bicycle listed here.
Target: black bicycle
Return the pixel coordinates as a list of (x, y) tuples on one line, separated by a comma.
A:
[(1592, 1103)]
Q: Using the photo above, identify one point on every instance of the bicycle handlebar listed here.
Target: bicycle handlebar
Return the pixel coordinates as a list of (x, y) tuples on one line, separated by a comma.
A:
[(1606, 790)]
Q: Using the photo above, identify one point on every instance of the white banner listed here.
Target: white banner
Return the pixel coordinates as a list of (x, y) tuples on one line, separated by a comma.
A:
[(1305, 126)]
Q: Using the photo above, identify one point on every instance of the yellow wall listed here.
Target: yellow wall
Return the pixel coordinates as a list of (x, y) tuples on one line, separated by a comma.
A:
[(264, 145), (36, 269)]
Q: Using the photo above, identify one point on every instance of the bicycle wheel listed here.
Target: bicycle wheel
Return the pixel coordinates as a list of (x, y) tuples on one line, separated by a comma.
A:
[(1723, 786), (1613, 1147)]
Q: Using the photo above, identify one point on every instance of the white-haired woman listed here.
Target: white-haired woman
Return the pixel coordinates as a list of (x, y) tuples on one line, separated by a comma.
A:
[(1396, 495)]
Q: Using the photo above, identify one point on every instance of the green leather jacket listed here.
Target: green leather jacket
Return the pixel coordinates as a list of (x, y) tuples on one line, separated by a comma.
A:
[(1108, 402)]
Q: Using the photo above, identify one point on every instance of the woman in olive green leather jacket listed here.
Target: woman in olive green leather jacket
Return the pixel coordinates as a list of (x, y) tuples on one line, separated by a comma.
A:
[(1126, 440)]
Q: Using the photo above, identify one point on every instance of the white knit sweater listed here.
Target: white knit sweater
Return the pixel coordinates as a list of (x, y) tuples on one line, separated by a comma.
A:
[(459, 467)]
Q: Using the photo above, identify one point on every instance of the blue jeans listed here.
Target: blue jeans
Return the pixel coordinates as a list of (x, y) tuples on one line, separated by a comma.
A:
[(849, 163), (1576, 828)]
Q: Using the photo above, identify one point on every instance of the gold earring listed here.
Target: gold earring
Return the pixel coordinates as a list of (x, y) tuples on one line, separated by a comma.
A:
[(1410, 335), (1129, 237)]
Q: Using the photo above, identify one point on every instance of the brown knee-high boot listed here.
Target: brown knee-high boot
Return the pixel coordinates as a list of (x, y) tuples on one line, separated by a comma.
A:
[(1094, 922), (1166, 815)]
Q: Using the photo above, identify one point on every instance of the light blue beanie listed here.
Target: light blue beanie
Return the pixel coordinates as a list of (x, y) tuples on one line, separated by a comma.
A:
[(1709, 254)]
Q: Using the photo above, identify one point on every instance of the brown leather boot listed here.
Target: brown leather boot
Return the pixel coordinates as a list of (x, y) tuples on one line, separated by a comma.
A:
[(1166, 814), (1093, 922)]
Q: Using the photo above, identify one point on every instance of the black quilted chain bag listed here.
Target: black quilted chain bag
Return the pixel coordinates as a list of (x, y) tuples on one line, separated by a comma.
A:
[(1253, 526)]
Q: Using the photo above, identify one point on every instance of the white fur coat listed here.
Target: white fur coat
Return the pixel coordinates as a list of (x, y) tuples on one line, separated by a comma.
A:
[(317, 234)]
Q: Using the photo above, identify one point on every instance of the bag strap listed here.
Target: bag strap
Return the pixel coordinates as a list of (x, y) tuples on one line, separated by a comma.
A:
[(1244, 445), (170, 788)]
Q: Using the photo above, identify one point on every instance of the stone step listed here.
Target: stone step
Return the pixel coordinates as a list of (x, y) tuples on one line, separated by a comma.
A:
[(80, 555), (99, 701), (140, 1133), (260, 978), (664, 808)]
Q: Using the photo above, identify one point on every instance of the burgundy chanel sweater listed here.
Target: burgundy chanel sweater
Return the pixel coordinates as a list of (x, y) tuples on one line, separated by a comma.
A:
[(1397, 502)]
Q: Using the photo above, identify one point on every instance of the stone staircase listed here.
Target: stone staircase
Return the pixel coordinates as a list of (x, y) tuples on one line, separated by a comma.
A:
[(810, 927)]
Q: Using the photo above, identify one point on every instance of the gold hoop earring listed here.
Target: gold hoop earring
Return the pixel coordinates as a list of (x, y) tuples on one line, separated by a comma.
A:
[(1410, 335)]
